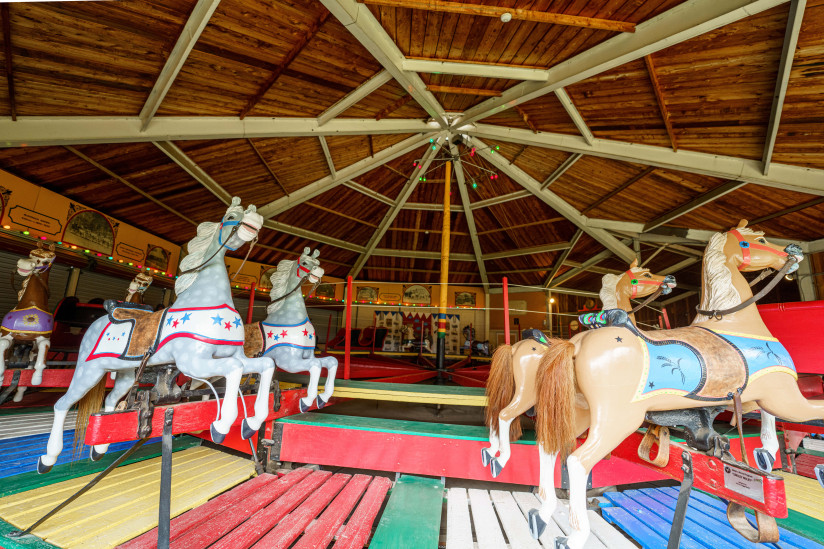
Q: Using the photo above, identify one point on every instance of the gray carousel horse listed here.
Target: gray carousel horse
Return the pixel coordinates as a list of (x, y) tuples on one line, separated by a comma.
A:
[(287, 335), (201, 333)]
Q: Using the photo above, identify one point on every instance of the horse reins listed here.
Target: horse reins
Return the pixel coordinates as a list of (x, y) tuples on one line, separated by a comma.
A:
[(296, 288), (237, 225), (635, 282)]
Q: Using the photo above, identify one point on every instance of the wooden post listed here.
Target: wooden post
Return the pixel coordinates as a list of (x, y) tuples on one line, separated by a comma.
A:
[(444, 268), (347, 345), (251, 304), (506, 310)]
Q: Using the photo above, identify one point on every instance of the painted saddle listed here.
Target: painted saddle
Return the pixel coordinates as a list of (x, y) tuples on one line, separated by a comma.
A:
[(29, 323), (263, 337)]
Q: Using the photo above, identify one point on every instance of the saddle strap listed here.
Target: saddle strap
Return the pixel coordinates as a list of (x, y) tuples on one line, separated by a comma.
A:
[(738, 412), (766, 531), (656, 434)]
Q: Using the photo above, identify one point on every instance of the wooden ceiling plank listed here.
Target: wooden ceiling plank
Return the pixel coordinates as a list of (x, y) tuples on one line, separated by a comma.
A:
[(463, 91), (297, 47), (546, 248), (563, 257), (522, 225), (697, 202), (470, 219), (782, 176), (565, 165), (525, 117), (784, 69), (390, 216), (355, 186), (312, 235), (395, 105), (659, 97), (340, 214), (484, 70), (421, 206), (418, 216), (191, 167), (683, 22), (620, 188), (267, 166), (345, 174), (130, 185), (422, 254), (592, 261), (375, 82), (555, 202), (327, 154), (368, 31), (572, 111), (516, 13), (7, 54), (500, 199), (680, 266), (201, 14), (786, 211)]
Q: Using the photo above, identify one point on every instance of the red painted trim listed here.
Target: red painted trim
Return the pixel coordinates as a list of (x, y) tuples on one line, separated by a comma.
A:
[(51, 378), (506, 310), (197, 337), (347, 342), (467, 381)]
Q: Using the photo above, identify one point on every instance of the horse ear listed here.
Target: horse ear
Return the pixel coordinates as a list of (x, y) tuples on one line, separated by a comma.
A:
[(235, 201), (39, 245), (51, 247), (742, 224), (307, 250), (634, 264), (316, 253)]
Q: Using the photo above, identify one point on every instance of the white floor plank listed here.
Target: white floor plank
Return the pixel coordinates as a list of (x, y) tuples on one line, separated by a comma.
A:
[(527, 501), (458, 523), (487, 530), (513, 520), (561, 516), (22, 425), (608, 535)]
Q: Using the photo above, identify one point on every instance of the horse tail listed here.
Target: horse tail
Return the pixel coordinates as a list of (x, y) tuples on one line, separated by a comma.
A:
[(88, 405), (555, 406), (500, 388)]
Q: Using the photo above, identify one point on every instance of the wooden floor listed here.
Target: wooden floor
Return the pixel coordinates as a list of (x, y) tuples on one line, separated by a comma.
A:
[(124, 505), (20, 425)]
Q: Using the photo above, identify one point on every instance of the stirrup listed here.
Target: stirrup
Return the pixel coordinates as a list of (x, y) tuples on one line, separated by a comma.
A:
[(766, 531), (656, 434)]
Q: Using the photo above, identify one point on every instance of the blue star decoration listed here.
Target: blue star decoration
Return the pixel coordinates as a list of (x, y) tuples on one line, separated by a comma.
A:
[(169, 320), (186, 317), (311, 336), (618, 339), (237, 322), (651, 385), (277, 336), (217, 319)]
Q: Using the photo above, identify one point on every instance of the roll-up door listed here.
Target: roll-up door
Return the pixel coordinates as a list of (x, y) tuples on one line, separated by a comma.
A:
[(92, 285), (58, 276)]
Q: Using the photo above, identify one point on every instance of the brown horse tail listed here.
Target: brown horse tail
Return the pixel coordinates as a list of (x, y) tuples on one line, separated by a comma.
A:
[(500, 388), (555, 407), (88, 405)]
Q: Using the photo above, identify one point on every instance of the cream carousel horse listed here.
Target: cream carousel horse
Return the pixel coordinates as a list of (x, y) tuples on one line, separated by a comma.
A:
[(621, 373), (510, 389), (137, 287), (201, 333), (30, 320)]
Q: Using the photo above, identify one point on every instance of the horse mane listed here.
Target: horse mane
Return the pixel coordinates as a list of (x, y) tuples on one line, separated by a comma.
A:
[(718, 291), (197, 250), (23, 287), (609, 293), (280, 281)]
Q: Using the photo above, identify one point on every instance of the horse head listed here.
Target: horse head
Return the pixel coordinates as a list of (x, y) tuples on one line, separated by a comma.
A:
[(640, 282), (140, 283), (39, 261), (239, 226), (309, 267), (748, 250)]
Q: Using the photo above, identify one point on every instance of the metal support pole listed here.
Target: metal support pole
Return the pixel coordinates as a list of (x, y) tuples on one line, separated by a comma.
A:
[(165, 506), (251, 310), (71, 284), (447, 200), (506, 311), (681, 504), (347, 345)]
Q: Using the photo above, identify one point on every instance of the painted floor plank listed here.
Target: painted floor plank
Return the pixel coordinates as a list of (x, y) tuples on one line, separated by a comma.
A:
[(12, 426), (527, 502), (513, 521), (561, 517), (412, 518), (803, 495), (487, 530), (647, 517), (458, 523), (321, 532), (609, 536), (359, 526)]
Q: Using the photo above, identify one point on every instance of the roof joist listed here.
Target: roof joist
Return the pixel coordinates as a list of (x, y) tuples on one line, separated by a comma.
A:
[(470, 218)]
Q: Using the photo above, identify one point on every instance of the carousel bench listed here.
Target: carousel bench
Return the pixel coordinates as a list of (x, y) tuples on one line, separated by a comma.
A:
[(412, 517)]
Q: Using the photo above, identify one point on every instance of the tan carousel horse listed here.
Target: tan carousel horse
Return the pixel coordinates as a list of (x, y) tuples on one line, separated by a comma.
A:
[(137, 287), (621, 373), (510, 389)]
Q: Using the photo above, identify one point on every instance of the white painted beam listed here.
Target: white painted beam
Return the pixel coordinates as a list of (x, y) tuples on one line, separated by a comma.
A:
[(35, 131), (430, 207), (190, 166), (677, 298), (327, 154), (355, 186), (555, 202), (784, 69), (393, 212), (345, 174), (474, 69), (577, 119), (557, 290), (703, 200), (681, 265), (470, 219), (783, 176), (419, 254), (563, 257), (354, 96), (561, 170), (592, 261), (517, 195), (359, 21), (683, 22), (546, 248), (312, 236), (197, 21)]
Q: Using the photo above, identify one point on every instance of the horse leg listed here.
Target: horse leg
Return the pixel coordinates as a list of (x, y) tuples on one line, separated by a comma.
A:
[(331, 365), (122, 383), (509, 414), (312, 390), (228, 409), (42, 350), (765, 456), (266, 368), (494, 445), (5, 343)]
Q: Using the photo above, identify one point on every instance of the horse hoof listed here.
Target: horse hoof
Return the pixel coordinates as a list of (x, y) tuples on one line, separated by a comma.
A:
[(303, 407), (536, 524), (496, 467), (531, 412), (42, 469), (246, 432), (561, 543), (763, 459), (94, 455), (486, 457), (320, 402), (819, 473), (217, 437)]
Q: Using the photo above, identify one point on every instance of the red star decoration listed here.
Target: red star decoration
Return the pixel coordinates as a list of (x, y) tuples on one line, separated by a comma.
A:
[(175, 323), (283, 333), (228, 325), (270, 334), (305, 332)]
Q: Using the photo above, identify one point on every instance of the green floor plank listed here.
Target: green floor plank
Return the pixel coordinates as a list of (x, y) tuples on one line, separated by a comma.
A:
[(26, 542), (30, 481), (412, 519), (803, 525)]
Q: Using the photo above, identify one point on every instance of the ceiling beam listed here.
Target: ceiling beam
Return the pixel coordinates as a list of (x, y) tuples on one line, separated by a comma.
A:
[(343, 175), (703, 200), (784, 69), (312, 235), (470, 219), (355, 186), (7, 54), (359, 21), (378, 80), (197, 21), (463, 91), (517, 195), (34, 131), (681, 265), (556, 290), (546, 248), (484, 70), (679, 297), (620, 188), (659, 98), (592, 261), (395, 105), (515, 13), (390, 215), (786, 211), (327, 154), (561, 170), (683, 22), (190, 166), (783, 176), (529, 123), (426, 207), (419, 254), (563, 257), (267, 166), (555, 202), (577, 119)]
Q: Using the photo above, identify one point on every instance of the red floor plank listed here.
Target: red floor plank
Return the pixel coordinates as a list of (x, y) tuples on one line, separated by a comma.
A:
[(264, 520), (359, 527), (319, 534)]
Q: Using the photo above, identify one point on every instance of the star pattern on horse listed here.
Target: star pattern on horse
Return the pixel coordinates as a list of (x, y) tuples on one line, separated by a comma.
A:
[(217, 319)]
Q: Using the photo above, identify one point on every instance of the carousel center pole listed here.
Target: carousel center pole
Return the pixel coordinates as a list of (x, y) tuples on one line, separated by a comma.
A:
[(441, 349)]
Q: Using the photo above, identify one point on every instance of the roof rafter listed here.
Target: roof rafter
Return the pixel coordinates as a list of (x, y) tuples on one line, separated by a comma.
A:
[(355, 186), (592, 261), (327, 154), (267, 166), (620, 188), (561, 170), (470, 219), (375, 82), (697, 202), (563, 257), (198, 19), (483, 70), (421, 254), (577, 119), (546, 248), (499, 199), (659, 97)]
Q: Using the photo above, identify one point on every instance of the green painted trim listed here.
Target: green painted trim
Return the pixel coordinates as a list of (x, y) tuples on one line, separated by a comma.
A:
[(399, 387), (803, 525), (26, 542), (30, 481), (412, 518)]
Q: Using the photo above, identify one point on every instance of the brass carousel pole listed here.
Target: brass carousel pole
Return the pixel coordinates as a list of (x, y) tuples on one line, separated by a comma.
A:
[(441, 349)]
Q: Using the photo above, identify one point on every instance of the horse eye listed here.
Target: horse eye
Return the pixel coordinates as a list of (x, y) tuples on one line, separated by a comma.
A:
[(647, 275)]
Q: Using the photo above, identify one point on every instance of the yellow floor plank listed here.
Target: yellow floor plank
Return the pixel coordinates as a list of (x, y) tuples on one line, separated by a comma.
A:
[(125, 504), (803, 495)]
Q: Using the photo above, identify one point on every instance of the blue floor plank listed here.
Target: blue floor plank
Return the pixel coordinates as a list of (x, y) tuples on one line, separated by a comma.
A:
[(648, 517), (637, 530)]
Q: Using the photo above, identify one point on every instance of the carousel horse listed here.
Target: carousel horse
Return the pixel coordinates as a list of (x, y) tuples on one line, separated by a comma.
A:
[(30, 321), (408, 339), (137, 287), (287, 335), (510, 389), (727, 356), (473, 345), (201, 334)]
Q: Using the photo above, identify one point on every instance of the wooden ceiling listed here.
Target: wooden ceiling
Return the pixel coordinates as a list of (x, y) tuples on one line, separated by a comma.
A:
[(701, 113)]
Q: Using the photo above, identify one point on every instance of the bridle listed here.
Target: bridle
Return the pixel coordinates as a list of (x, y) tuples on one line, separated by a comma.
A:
[(306, 272), (236, 225), (746, 246), (635, 282)]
